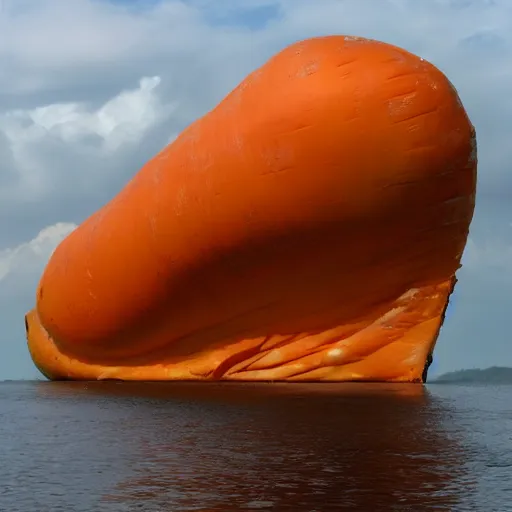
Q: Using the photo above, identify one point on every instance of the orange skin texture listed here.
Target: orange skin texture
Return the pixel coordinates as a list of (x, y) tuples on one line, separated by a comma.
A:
[(309, 228)]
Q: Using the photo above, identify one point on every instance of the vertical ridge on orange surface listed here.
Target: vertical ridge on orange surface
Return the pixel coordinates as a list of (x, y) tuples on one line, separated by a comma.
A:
[(307, 228)]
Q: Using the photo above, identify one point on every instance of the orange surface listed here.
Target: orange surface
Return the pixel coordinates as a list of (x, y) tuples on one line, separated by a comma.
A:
[(307, 228)]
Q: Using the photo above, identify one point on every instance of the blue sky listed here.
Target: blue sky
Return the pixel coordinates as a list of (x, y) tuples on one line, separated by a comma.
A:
[(91, 89)]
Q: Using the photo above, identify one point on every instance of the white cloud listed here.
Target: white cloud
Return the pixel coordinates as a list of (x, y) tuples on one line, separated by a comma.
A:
[(121, 120), (30, 257), (80, 131), (91, 89)]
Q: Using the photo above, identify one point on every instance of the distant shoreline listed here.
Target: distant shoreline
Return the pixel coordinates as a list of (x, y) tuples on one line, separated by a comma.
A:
[(492, 375)]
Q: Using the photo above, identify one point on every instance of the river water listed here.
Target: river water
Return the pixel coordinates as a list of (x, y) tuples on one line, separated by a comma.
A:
[(268, 447)]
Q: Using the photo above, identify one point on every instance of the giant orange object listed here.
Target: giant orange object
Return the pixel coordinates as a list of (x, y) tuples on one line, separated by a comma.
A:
[(307, 229)]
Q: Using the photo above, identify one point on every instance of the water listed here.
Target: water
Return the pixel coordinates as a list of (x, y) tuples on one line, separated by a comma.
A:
[(190, 447)]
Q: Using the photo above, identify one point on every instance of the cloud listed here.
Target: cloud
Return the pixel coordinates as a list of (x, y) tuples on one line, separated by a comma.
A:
[(91, 89), (62, 155), (28, 259), (121, 120)]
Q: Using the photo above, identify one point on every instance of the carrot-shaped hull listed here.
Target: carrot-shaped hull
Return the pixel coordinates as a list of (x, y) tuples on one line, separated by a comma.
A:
[(307, 229)]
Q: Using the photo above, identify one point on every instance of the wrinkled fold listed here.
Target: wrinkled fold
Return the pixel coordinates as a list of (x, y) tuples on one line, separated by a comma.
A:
[(309, 228)]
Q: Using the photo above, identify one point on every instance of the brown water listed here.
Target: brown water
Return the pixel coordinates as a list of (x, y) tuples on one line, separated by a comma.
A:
[(191, 447)]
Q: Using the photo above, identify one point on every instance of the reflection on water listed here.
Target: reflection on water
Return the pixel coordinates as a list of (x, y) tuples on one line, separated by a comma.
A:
[(278, 447)]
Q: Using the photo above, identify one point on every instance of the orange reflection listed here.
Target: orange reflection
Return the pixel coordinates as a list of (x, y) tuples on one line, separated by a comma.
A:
[(230, 447)]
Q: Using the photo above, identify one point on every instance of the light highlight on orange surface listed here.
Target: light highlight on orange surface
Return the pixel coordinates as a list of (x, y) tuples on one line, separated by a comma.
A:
[(307, 228)]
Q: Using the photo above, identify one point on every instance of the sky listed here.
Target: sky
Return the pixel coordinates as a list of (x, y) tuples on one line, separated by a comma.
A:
[(92, 89)]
